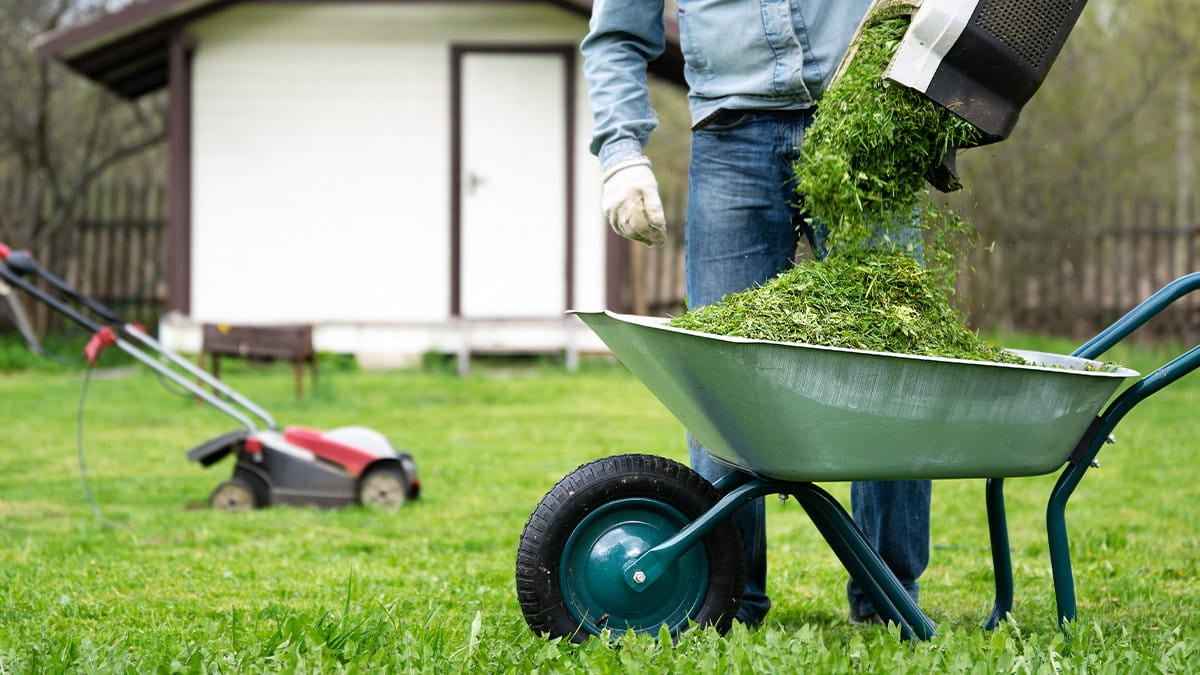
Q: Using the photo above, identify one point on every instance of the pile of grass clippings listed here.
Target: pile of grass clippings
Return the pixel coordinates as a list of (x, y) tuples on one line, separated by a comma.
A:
[(867, 300), (866, 158)]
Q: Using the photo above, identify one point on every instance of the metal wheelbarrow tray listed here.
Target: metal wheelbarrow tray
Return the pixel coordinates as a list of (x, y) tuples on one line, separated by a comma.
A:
[(807, 413), (638, 543)]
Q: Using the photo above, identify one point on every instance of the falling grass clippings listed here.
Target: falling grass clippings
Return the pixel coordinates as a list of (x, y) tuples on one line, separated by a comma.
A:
[(866, 158), (874, 144)]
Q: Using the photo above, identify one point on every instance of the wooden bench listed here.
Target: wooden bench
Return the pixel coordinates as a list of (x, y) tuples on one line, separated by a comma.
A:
[(261, 343)]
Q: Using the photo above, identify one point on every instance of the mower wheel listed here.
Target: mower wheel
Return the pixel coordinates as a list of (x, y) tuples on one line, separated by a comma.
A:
[(258, 485), (233, 495), (384, 487)]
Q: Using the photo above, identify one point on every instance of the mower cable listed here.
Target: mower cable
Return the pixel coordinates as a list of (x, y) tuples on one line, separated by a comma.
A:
[(171, 387), (87, 488), (60, 360)]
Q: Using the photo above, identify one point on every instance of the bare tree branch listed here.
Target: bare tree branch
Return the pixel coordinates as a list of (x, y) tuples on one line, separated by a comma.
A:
[(60, 133)]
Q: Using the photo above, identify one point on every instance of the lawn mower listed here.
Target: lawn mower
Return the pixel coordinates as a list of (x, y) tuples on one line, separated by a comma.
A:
[(295, 465)]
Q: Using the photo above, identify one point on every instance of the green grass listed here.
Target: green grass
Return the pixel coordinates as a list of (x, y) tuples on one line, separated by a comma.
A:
[(176, 588)]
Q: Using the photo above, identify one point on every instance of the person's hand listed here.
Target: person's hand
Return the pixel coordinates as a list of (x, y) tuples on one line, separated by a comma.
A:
[(631, 202)]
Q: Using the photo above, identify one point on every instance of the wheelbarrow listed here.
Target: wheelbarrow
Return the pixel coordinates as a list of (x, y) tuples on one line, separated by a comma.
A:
[(635, 543)]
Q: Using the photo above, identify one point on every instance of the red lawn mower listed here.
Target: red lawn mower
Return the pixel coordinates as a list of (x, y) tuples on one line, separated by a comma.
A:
[(296, 465)]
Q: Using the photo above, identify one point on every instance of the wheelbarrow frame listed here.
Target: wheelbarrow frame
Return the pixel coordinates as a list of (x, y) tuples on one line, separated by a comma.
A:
[(864, 564)]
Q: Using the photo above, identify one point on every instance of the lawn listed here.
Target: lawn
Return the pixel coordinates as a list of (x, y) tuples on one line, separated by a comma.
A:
[(156, 582)]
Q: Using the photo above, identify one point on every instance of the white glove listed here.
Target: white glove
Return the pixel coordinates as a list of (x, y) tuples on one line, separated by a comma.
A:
[(631, 202)]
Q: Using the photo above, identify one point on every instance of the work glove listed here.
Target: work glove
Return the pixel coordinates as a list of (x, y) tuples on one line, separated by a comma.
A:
[(631, 202)]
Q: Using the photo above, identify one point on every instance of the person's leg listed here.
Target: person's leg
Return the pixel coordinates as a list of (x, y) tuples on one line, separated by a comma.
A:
[(894, 515), (741, 231)]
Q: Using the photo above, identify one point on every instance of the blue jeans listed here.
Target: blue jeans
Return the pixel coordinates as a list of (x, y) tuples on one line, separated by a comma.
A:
[(743, 228)]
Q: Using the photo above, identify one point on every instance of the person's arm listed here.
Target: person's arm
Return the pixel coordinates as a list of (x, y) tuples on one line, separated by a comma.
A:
[(625, 35)]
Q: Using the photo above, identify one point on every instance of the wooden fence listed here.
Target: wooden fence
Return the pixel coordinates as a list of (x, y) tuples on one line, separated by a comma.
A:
[(112, 251), (1075, 282)]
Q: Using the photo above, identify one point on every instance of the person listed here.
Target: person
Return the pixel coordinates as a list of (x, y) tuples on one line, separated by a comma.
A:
[(755, 72)]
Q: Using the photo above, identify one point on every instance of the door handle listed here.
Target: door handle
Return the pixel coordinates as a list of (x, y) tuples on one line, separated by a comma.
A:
[(474, 181)]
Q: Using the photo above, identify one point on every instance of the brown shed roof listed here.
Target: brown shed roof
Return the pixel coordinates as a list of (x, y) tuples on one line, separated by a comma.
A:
[(126, 50)]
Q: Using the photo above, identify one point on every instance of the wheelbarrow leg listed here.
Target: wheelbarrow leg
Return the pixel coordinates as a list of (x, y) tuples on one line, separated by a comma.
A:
[(1056, 522), (863, 563), (1001, 553), (1056, 508), (833, 522), (1099, 433), (1060, 560)]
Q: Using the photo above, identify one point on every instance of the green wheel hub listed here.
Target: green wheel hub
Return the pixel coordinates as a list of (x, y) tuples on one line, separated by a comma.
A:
[(593, 563)]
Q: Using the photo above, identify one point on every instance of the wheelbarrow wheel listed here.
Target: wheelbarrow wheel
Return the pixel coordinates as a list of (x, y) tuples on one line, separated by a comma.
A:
[(576, 543)]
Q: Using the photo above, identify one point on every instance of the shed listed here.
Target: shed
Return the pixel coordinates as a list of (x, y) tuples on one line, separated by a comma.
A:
[(405, 176)]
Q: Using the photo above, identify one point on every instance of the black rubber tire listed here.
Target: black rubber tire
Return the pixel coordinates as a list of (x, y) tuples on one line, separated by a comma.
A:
[(410, 471), (645, 480), (258, 485), (384, 487)]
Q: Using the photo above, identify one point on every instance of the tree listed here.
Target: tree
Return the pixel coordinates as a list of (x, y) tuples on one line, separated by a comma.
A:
[(1109, 128), (1112, 118), (58, 132)]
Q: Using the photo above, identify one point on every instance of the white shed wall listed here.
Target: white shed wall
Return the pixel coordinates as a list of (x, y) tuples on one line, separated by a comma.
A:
[(321, 160)]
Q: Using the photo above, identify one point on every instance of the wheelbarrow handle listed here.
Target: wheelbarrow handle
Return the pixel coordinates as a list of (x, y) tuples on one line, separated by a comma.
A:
[(1138, 316), (1082, 457), (1148, 309), (1089, 446)]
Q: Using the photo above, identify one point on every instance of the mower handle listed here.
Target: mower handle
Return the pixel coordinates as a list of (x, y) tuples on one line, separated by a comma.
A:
[(22, 263), (103, 336)]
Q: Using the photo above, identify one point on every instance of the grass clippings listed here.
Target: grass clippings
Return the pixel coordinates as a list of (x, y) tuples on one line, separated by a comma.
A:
[(874, 144), (871, 149), (870, 300)]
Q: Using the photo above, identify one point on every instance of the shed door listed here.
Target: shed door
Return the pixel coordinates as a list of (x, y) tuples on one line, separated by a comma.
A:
[(512, 185)]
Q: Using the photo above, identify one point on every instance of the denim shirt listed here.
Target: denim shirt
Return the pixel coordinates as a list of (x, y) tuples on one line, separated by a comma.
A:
[(758, 54)]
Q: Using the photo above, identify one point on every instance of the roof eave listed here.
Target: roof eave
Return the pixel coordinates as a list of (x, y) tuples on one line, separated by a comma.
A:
[(69, 42), (125, 51)]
